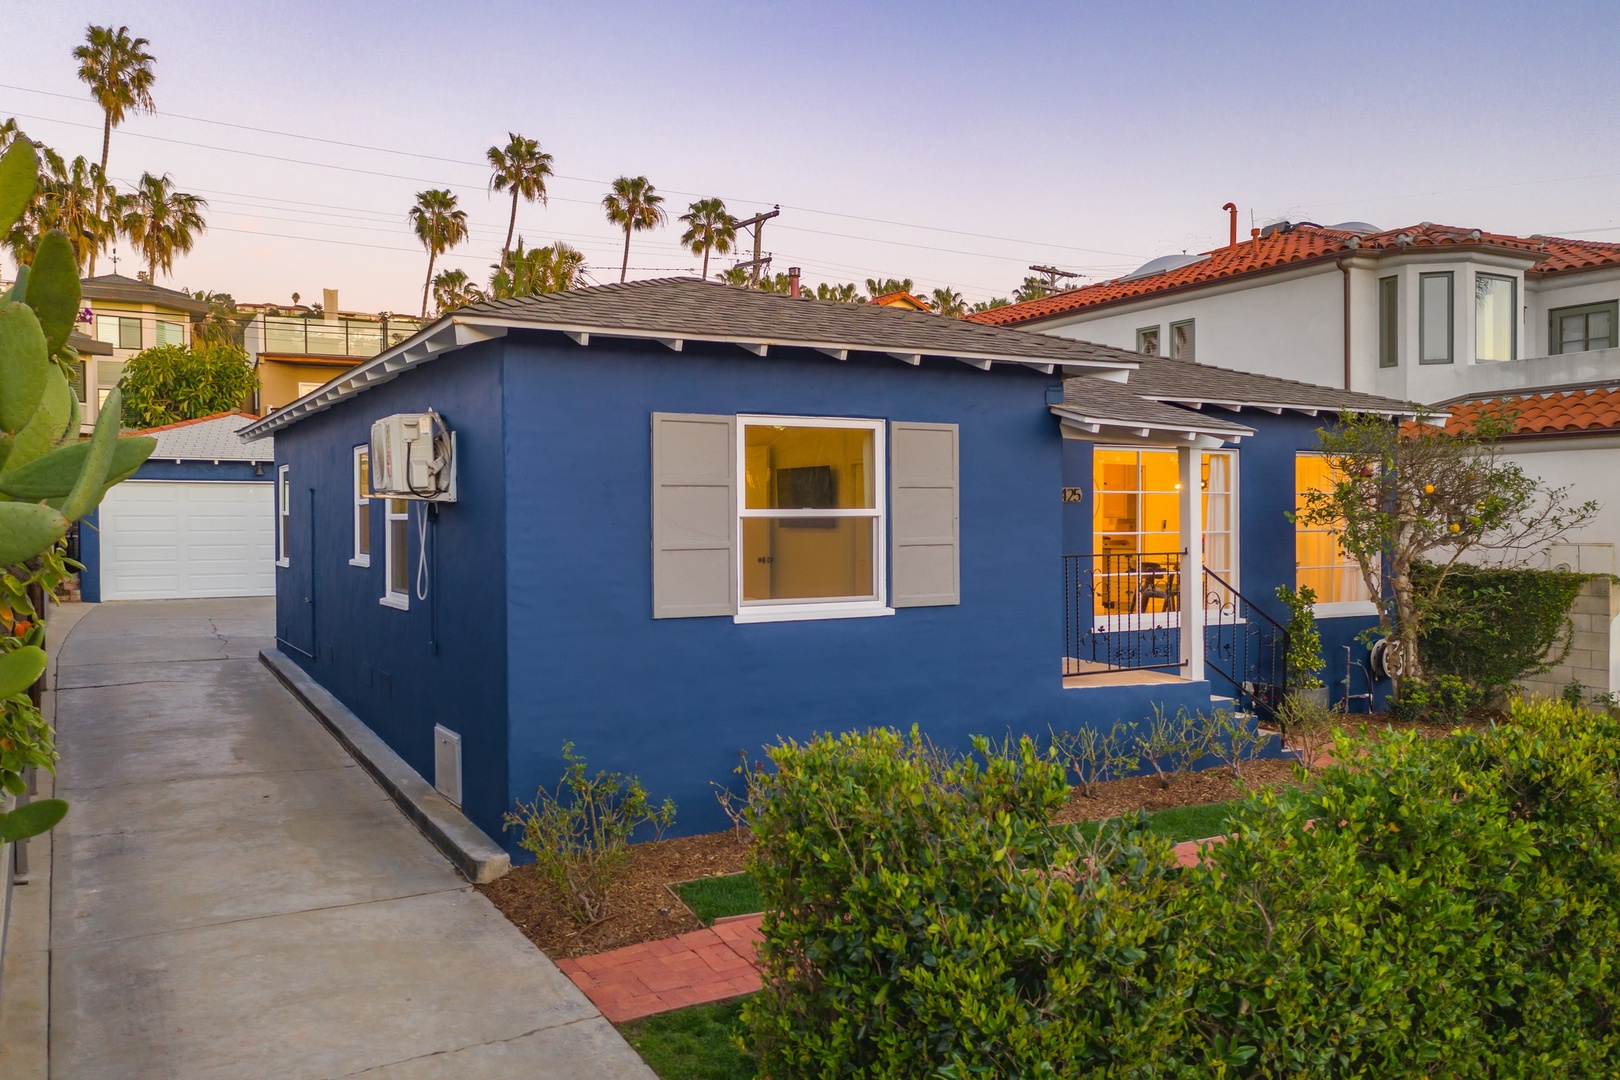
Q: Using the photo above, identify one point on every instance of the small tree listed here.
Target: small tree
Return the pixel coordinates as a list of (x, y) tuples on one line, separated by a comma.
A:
[(170, 383), (1407, 494)]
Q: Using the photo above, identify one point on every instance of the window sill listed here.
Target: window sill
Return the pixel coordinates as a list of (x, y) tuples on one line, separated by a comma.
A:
[(360, 560), (398, 603), (1344, 609), (283, 563), (805, 612)]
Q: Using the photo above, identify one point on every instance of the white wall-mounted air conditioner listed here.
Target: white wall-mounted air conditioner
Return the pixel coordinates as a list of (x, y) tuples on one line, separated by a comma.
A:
[(413, 457)]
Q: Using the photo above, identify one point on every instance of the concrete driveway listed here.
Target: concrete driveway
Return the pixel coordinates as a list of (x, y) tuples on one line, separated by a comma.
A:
[(233, 897)]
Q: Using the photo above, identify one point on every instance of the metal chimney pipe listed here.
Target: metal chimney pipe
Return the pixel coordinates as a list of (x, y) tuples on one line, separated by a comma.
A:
[(1231, 208), (793, 281)]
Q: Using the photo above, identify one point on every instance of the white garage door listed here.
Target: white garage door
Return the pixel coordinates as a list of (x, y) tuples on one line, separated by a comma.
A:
[(165, 539)]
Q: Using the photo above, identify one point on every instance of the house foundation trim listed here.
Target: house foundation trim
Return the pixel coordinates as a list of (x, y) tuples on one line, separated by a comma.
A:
[(469, 848)]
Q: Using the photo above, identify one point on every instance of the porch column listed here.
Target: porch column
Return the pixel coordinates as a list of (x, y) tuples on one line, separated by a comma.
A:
[(1189, 460)]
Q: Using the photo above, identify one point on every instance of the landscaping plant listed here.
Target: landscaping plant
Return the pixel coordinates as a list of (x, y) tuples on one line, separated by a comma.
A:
[(580, 834), (1169, 744), (1095, 757), (1421, 493), (1304, 660), (1232, 738), (915, 927), (48, 479), (1308, 729), (170, 383)]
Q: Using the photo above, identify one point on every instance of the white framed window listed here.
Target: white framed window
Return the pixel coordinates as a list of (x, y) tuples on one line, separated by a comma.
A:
[(283, 514), (397, 551), (362, 507), (119, 331), (1136, 528), (810, 518), (1319, 560), (308, 388), (169, 333)]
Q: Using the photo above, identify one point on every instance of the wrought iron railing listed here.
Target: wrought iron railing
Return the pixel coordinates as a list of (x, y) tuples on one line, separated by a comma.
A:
[(1243, 646), (1121, 612)]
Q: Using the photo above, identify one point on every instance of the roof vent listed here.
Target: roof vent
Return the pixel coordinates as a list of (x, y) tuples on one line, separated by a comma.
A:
[(1163, 264), (1276, 228), (1361, 228)]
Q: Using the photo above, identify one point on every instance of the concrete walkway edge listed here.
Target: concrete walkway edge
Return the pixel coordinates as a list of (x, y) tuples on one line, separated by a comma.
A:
[(468, 847)]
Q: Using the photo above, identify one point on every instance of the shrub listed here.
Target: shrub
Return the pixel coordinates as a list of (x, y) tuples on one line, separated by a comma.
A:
[(1095, 757), (1169, 744), (169, 383), (1234, 739), (1307, 728), (1304, 659), (1445, 908), (1493, 626), (579, 834), (1444, 699), (922, 919)]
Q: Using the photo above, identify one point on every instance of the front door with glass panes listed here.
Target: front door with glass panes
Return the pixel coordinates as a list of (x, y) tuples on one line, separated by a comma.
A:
[(1136, 527)]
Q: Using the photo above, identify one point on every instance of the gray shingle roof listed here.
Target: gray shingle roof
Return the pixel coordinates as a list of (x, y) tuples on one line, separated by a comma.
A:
[(1101, 401), (707, 310), (1178, 381), (213, 438), (133, 290)]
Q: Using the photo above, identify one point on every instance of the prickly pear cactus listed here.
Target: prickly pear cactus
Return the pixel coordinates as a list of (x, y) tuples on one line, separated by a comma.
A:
[(48, 478)]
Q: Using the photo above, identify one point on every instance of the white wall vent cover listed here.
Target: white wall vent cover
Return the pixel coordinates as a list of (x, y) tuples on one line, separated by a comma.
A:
[(447, 763)]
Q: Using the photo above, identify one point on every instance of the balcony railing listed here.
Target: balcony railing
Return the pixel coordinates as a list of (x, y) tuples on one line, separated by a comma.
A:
[(1246, 648), (362, 338)]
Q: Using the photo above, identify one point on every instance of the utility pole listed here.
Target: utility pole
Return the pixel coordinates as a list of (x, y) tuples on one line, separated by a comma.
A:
[(756, 225), (1052, 273)]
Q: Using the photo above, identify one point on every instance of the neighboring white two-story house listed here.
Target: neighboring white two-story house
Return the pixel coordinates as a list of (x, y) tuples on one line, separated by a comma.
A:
[(1430, 313)]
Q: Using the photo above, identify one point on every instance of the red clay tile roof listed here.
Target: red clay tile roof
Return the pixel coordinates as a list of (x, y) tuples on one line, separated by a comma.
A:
[(900, 298), (1304, 244), (1551, 412)]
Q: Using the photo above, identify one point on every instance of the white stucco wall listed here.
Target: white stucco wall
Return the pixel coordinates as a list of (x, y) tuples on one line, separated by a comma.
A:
[(1290, 328)]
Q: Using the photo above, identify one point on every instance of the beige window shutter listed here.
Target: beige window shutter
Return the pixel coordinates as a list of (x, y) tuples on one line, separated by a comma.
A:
[(924, 514), (694, 515)]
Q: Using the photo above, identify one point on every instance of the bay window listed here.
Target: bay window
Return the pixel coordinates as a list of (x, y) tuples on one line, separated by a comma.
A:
[(1434, 318), (1496, 317)]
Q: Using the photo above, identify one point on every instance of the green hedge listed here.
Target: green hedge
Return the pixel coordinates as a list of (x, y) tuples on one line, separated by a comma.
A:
[(1492, 626), (1449, 908)]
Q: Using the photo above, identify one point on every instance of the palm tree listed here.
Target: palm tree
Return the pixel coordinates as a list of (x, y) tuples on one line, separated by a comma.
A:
[(119, 72), (708, 228), (453, 289), (70, 202), (949, 303), (634, 206), (876, 287), (1033, 288), (553, 268), (523, 167), (846, 293), (160, 221), (440, 227)]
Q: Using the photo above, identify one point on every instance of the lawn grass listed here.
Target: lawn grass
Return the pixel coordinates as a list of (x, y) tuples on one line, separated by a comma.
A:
[(1180, 823), (693, 1044), (716, 897)]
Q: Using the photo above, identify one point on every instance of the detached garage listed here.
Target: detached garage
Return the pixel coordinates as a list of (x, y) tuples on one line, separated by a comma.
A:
[(197, 520)]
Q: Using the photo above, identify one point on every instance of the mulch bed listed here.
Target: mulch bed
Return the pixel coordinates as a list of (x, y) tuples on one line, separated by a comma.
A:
[(1186, 789), (646, 909)]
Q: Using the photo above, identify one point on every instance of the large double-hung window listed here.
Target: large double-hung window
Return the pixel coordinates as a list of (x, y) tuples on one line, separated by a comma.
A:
[(810, 517), (771, 518), (1320, 561)]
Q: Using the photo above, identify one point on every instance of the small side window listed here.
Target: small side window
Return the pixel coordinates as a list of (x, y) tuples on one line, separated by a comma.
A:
[(283, 515), (1147, 341), (397, 548), (1389, 326), (1181, 341), (362, 507)]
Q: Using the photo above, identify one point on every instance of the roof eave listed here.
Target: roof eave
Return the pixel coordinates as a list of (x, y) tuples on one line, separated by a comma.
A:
[(466, 329), (1275, 407), (1099, 424)]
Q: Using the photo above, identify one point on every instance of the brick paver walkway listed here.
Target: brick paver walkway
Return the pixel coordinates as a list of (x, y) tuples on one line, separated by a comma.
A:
[(657, 976)]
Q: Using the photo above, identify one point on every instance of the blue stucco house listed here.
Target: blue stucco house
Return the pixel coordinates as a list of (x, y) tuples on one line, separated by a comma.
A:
[(691, 520)]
